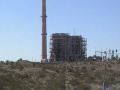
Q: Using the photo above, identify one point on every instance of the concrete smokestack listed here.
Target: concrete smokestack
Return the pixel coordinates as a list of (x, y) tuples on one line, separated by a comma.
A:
[(44, 34)]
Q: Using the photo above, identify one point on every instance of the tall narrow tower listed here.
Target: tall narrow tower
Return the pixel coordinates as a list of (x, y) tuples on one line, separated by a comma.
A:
[(44, 34)]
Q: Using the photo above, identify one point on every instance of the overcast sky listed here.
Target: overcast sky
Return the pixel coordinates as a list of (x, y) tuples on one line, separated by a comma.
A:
[(20, 25)]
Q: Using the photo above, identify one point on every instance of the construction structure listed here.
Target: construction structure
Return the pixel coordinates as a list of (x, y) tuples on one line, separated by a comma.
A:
[(44, 34), (107, 55), (64, 47)]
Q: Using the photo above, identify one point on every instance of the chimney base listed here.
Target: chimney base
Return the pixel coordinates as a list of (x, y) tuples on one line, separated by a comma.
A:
[(44, 60)]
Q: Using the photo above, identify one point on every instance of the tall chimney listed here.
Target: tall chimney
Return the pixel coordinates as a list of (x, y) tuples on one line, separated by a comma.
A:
[(44, 34)]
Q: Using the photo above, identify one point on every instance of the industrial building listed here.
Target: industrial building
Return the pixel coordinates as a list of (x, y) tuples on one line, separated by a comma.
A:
[(64, 47)]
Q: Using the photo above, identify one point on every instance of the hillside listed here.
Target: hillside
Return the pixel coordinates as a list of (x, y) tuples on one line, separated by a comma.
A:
[(85, 75)]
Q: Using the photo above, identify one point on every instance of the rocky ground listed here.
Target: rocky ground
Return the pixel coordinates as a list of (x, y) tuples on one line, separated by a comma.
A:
[(85, 75)]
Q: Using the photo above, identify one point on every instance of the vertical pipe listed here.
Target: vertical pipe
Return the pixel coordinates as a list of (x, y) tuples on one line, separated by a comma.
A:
[(44, 34)]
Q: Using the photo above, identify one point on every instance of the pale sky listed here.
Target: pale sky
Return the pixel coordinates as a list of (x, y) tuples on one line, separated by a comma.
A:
[(20, 25)]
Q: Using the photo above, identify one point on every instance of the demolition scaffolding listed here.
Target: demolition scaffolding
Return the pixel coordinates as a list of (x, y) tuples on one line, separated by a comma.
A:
[(64, 47)]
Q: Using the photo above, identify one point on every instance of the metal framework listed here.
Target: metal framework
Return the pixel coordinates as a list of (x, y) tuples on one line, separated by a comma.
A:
[(108, 55), (64, 47)]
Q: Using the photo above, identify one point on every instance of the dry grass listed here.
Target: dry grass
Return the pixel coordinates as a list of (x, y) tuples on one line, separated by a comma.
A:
[(85, 75)]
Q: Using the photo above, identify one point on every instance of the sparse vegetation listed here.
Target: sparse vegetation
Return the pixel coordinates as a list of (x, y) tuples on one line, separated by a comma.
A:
[(23, 75), (109, 65)]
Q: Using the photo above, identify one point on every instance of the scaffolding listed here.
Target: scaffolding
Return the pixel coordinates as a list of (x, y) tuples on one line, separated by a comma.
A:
[(64, 47), (78, 48)]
